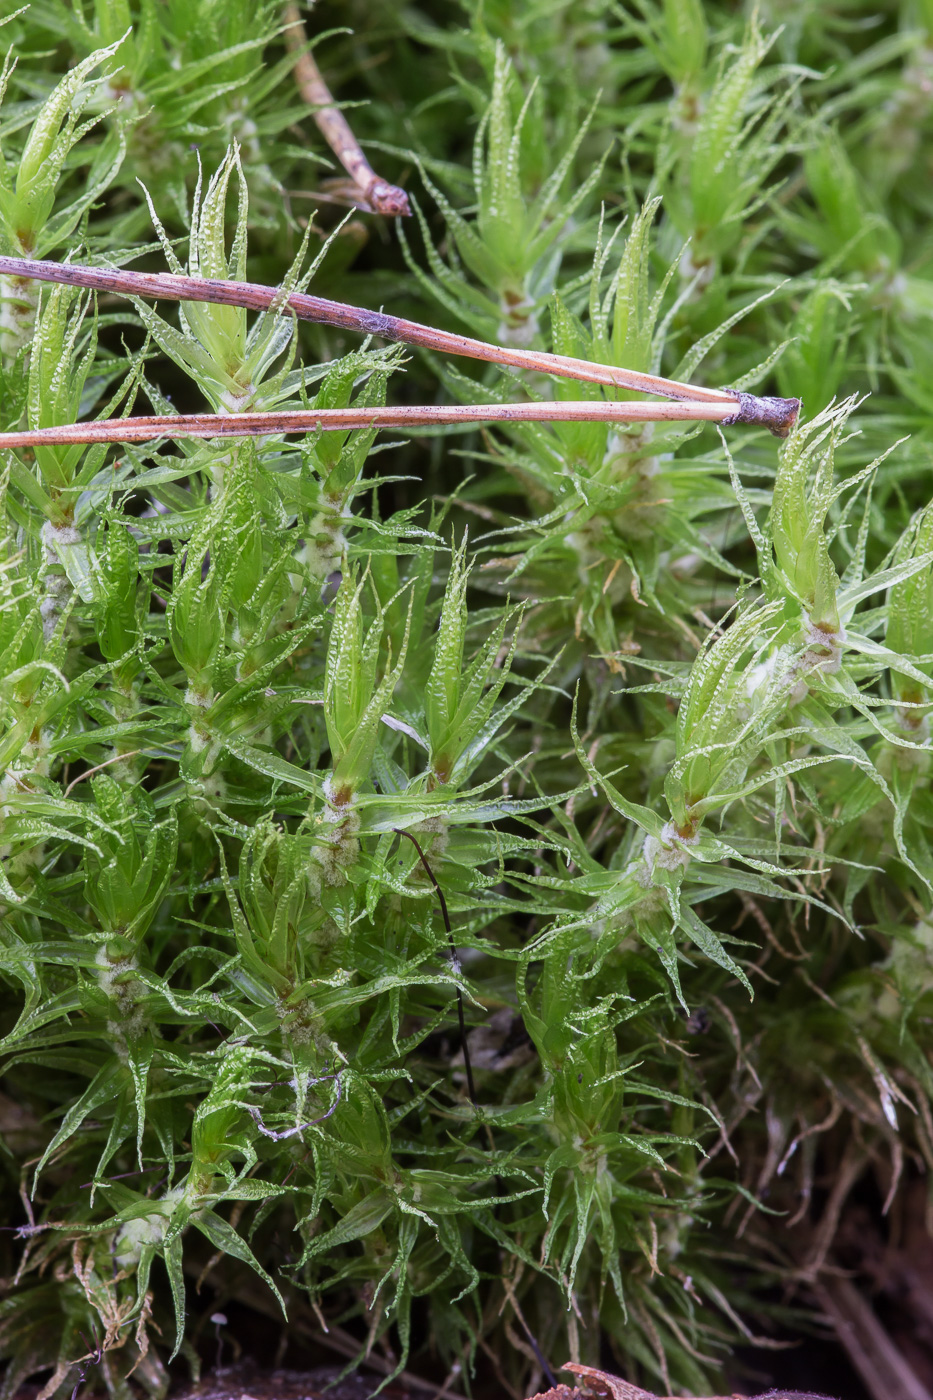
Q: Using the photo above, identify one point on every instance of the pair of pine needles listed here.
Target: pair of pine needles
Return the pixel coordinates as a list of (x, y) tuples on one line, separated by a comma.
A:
[(684, 402), (370, 192)]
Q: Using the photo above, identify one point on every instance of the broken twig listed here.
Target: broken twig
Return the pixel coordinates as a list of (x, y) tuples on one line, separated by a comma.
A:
[(371, 192)]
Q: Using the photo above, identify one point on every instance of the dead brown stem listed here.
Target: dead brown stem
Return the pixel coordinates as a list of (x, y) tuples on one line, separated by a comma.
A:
[(374, 194), (88, 772), (778, 415), (215, 425), (887, 1373)]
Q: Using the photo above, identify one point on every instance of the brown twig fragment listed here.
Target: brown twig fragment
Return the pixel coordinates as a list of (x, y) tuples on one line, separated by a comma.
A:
[(599, 1384), (373, 194), (216, 425), (777, 415)]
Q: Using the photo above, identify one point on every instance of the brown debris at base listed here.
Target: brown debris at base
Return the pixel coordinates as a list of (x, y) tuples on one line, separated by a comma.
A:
[(558, 1392), (607, 1387)]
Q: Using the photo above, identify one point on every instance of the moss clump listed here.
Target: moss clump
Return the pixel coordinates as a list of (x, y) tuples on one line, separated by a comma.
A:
[(653, 705)]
